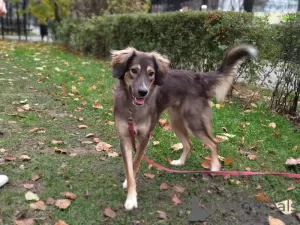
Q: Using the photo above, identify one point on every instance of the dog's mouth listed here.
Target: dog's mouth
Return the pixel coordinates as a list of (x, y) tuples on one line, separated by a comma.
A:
[(139, 101)]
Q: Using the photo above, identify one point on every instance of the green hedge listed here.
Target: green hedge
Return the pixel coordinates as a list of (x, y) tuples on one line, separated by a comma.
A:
[(193, 40)]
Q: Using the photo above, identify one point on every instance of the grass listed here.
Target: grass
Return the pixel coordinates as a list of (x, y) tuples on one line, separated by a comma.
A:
[(55, 83)]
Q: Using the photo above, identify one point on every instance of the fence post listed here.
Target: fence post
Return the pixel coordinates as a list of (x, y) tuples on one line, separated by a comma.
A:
[(18, 21)]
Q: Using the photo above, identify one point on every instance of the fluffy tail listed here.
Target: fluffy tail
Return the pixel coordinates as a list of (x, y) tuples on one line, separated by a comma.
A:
[(223, 79)]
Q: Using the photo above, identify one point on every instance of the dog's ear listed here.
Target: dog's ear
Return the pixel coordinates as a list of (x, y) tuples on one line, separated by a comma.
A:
[(161, 64), (120, 60)]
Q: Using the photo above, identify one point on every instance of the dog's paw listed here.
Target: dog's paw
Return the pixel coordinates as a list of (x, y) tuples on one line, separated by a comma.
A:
[(215, 166), (177, 162), (131, 204), (124, 184)]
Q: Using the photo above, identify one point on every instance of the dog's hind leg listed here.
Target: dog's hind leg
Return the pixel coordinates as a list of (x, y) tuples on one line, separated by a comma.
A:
[(181, 132)]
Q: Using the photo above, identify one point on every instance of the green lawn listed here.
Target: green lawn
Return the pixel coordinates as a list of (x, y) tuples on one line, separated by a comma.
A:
[(61, 87)]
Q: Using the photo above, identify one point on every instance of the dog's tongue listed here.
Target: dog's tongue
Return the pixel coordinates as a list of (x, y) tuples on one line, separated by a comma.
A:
[(140, 101)]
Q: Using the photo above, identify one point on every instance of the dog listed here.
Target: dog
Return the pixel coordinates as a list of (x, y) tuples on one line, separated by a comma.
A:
[(147, 86)]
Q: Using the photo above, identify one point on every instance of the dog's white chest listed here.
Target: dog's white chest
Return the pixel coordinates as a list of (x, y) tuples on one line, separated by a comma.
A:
[(142, 127)]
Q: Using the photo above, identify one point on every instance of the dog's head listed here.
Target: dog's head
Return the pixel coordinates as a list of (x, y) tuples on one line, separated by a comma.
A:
[(140, 71)]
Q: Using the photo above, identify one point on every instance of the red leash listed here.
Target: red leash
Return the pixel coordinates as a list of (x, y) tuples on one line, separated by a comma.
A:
[(223, 173)]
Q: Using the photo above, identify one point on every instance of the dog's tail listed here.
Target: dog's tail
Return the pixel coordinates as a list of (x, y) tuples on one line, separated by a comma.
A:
[(222, 80)]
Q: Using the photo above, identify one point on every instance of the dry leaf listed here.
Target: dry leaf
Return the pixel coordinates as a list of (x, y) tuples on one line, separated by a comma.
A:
[(218, 106), (206, 164), (57, 142), (162, 122), (24, 158), (149, 175), (103, 146), (60, 151), (162, 215), (261, 196), (9, 158), (260, 141), (248, 169), (87, 142), (28, 221), (272, 125), (220, 138), (62, 203), (69, 195), (96, 140), (167, 127), (109, 213), (292, 187), (30, 196), (253, 105), (35, 177), (163, 186), (228, 161), (176, 200), (82, 126), (258, 187), (287, 207), (37, 129), (274, 221), (90, 135), (110, 123), (292, 162), (178, 189), (28, 186), (295, 148), (225, 129), (25, 107), (50, 201), (97, 106), (39, 205), (251, 157), (253, 148), (177, 147), (113, 154), (60, 222), (155, 143)]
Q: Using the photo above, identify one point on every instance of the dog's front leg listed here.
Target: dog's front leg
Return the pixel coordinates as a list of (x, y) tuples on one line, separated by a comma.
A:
[(131, 200)]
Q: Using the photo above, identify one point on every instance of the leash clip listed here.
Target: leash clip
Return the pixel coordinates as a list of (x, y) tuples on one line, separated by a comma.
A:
[(130, 114)]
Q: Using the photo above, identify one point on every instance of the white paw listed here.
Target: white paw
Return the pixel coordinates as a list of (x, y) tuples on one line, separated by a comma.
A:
[(124, 184), (215, 166), (131, 204), (177, 162)]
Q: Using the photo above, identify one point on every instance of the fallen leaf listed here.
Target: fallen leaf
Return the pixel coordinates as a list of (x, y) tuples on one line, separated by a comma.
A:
[(292, 187), (28, 221), (261, 196), (87, 142), (287, 207), (253, 105), (109, 213), (162, 215), (206, 164), (113, 154), (258, 187), (167, 127), (176, 200), (96, 140), (276, 132), (229, 135), (50, 201), (103, 146), (28, 186), (274, 221), (225, 129), (149, 175), (292, 162), (39, 205), (90, 135), (218, 106), (251, 157), (37, 129), (9, 158), (57, 142), (110, 123), (35, 177), (60, 222), (97, 106), (228, 161), (260, 141), (62, 203), (295, 148), (60, 151), (102, 158), (248, 169), (82, 126), (30, 196), (253, 148), (177, 147), (272, 125), (80, 118), (220, 138), (2, 150), (155, 143), (24, 158), (162, 122), (178, 189), (163, 186), (26, 107), (70, 195)]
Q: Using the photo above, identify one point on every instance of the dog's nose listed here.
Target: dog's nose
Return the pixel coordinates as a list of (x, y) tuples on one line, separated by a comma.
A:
[(143, 92)]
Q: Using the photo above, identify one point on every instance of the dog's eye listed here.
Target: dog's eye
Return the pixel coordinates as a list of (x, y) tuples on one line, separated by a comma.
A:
[(151, 74), (134, 71)]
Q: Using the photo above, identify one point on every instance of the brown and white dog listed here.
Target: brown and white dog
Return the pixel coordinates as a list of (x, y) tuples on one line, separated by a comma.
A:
[(147, 87)]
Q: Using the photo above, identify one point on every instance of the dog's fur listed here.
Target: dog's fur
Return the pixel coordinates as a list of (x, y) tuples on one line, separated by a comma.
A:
[(148, 87)]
